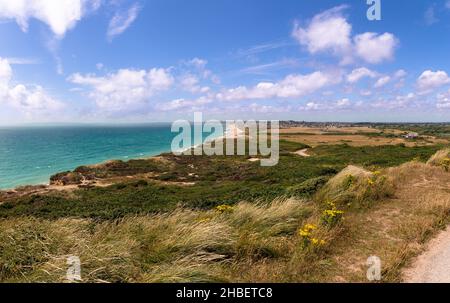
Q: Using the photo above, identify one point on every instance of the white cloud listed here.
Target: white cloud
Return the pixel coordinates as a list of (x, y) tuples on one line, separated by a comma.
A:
[(312, 106), (330, 31), (365, 92), (382, 81), (374, 48), (401, 101), (430, 16), (343, 103), (5, 71), (126, 89), (22, 61), (180, 104), (31, 100), (198, 63), (443, 100), (429, 80), (359, 73), (400, 74), (264, 109), (262, 69), (290, 87), (198, 66), (60, 15), (327, 31), (122, 21), (191, 83), (193, 73)]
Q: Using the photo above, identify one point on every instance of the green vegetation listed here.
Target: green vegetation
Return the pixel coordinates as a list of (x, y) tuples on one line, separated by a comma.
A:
[(285, 240), (213, 219), (211, 181), (439, 130)]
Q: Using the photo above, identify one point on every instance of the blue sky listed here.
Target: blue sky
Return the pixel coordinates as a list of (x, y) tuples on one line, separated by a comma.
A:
[(161, 60)]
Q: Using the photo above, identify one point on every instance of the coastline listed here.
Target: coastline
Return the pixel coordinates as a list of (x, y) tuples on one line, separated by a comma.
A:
[(231, 132)]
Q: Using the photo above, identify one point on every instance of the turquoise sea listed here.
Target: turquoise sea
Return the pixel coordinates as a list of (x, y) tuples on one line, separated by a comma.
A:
[(30, 155)]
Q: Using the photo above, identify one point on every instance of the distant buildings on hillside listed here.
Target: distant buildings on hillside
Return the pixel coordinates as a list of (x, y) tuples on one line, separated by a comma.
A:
[(411, 136)]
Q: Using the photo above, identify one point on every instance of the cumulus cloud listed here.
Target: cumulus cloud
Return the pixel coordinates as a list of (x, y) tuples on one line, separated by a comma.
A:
[(382, 81), (359, 73), (265, 109), (290, 87), (198, 66), (180, 104), (122, 20), (443, 100), (5, 71), (198, 63), (400, 74), (343, 103), (191, 83), (28, 99), (195, 77), (330, 31), (374, 48), (430, 80), (60, 16), (401, 101), (125, 89)]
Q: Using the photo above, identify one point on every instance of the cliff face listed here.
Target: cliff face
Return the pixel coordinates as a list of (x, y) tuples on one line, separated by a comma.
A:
[(85, 175), (66, 178)]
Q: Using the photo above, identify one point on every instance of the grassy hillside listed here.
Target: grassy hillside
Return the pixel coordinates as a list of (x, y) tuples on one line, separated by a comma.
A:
[(205, 182), (206, 219), (326, 238)]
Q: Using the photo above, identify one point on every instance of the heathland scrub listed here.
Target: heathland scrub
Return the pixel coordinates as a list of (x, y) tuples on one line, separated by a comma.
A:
[(153, 229)]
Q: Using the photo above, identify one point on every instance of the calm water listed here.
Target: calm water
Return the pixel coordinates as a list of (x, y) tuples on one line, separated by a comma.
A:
[(30, 155)]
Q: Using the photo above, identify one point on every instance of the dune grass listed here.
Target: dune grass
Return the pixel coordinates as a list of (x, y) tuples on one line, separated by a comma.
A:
[(180, 246)]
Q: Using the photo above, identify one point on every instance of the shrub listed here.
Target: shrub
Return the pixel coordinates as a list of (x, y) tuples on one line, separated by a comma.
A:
[(331, 216), (308, 187), (355, 187), (308, 239), (440, 158)]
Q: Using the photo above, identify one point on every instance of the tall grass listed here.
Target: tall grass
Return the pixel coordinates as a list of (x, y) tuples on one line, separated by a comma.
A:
[(181, 246), (390, 213), (355, 187)]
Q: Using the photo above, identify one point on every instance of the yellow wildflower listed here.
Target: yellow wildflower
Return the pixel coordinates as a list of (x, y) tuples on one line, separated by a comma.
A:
[(224, 208), (310, 227)]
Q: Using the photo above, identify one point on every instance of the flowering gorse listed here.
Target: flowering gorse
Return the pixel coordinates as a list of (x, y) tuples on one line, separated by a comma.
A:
[(224, 208), (445, 163), (331, 216), (306, 233)]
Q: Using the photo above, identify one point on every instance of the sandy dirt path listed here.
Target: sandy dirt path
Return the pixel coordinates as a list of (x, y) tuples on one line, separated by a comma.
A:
[(302, 153), (433, 266)]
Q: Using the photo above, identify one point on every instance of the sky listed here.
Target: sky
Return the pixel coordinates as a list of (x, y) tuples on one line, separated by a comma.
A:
[(134, 61)]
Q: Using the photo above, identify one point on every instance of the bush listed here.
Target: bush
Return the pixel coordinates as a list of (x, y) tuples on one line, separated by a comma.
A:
[(441, 158), (308, 187), (355, 187), (331, 216)]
